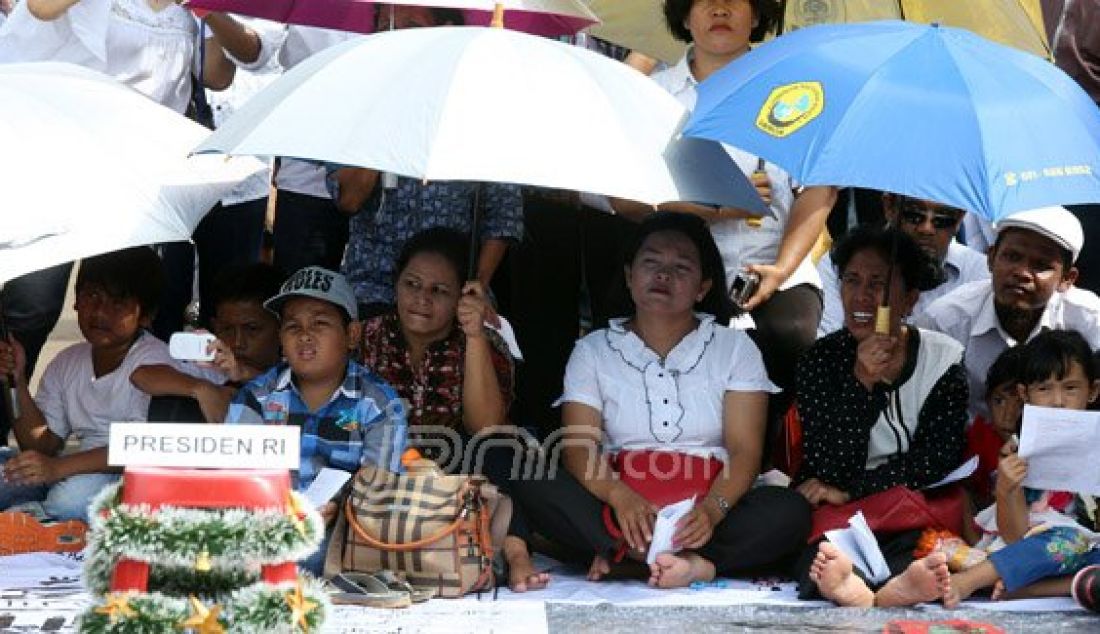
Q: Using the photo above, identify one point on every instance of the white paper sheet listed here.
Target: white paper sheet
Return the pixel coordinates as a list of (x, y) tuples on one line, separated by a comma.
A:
[(509, 336), (441, 615), (860, 545), (665, 528), (961, 472), (1062, 448), (327, 484)]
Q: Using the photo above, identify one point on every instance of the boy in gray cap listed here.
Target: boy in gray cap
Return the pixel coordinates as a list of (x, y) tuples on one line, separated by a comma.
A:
[(348, 416), (1031, 289)]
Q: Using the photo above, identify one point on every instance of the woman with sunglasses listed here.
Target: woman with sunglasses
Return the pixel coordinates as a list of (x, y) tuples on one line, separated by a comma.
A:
[(933, 227), (878, 410)]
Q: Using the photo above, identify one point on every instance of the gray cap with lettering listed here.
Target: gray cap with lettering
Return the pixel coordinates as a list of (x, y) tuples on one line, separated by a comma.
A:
[(319, 283)]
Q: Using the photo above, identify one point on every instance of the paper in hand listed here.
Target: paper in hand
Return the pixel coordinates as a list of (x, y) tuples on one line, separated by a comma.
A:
[(1062, 448), (327, 484), (858, 543), (665, 528), (961, 472)]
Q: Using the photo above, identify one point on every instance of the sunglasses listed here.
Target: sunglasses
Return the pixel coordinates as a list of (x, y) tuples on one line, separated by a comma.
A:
[(916, 218)]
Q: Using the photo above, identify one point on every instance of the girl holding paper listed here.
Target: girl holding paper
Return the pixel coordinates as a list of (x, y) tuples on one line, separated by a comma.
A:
[(1049, 534), (662, 406)]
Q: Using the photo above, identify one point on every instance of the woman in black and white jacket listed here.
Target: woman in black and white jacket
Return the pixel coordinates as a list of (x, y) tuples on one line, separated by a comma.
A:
[(879, 410)]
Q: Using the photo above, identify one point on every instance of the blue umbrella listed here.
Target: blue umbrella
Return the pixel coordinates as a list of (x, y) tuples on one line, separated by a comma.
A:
[(927, 111)]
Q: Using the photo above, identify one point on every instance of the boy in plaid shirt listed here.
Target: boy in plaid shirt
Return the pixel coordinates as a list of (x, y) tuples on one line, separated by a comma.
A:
[(347, 415)]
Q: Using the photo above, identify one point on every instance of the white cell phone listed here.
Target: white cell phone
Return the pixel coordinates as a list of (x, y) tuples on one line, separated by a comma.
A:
[(191, 346)]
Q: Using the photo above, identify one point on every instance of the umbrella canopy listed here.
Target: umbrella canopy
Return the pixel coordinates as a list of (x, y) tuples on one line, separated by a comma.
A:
[(932, 112), (639, 24), (550, 18), (90, 166), (1017, 23), (485, 104)]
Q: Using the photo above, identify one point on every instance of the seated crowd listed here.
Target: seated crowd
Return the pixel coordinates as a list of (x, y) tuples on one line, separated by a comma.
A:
[(872, 375), (882, 402)]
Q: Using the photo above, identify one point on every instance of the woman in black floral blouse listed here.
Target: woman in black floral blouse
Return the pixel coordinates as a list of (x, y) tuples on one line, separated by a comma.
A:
[(878, 411), (454, 372)]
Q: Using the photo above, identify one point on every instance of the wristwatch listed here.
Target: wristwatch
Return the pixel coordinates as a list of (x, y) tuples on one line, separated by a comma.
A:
[(722, 503)]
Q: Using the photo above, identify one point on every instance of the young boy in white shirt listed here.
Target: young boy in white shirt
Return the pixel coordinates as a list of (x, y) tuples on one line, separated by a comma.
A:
[(83, 390)]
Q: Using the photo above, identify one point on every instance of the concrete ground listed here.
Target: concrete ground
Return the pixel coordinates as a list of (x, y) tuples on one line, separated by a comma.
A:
[(612, 619)]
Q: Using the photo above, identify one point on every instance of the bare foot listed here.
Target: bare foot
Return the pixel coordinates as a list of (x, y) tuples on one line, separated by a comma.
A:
[(926, 579), (676, 571), (600, 567), (832, 572), (522, 575)]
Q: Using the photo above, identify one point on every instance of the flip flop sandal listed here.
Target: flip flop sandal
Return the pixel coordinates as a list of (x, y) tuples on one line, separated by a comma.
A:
[(21, 533), (395, 582), (365, 590)]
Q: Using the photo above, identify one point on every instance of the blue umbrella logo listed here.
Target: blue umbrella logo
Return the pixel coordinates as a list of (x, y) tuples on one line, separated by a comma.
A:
[(789, 107)]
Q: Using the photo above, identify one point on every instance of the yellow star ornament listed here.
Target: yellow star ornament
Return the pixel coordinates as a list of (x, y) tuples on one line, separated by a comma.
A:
[(117, 604), (203, 620), (296, 512), (300, 607)]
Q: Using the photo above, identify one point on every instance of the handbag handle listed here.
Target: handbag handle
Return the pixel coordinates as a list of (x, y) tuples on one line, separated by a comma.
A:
[(349, 512)]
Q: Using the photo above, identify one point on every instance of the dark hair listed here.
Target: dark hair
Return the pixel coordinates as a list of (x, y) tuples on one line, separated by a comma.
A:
[(453, 246), (717, 301), (766, 13), (256, 282), (448, 16), (918, 270), (1005, 369), (441, 17), (1053, 353), (129, 273), (1067, 255)]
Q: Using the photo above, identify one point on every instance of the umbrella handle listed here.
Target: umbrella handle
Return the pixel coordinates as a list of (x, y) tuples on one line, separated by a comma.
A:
[(882, 320)]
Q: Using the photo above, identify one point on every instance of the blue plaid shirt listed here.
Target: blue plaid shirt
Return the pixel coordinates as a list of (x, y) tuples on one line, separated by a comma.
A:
[(392, 216), (363, 422)]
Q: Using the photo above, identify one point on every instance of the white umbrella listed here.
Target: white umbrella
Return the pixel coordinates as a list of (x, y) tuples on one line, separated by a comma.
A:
[(88, 166), (484, 104)]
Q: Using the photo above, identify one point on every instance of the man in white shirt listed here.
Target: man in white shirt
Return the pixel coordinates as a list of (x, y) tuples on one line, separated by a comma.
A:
[(933, 226), (1031, 289)]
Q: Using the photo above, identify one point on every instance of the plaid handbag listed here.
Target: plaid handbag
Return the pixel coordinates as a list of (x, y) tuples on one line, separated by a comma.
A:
[(440, 531)]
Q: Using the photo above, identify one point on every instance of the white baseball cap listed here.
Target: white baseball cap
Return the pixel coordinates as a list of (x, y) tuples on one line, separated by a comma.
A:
[(319, 283), (1056, 223)]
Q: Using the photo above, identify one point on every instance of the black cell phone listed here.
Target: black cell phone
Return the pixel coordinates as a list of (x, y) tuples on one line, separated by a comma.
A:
[(743, 287)]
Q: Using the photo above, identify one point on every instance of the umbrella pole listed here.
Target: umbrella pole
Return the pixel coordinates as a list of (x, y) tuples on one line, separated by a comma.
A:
[(498, 16), (882, 314), (475, 233), (12, 393)]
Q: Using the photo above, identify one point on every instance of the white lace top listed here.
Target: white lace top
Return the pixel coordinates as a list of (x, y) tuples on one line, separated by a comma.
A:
[(672, 404), (155, 52)]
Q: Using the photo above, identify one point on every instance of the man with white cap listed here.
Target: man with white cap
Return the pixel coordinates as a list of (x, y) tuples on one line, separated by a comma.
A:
[(1031, 289)]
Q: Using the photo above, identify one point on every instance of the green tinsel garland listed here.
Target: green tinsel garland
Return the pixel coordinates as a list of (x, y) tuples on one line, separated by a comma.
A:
[(232, 540), (258, 609), (171, 540)]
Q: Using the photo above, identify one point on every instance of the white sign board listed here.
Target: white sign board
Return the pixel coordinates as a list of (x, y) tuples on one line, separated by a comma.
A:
[(202, 445)]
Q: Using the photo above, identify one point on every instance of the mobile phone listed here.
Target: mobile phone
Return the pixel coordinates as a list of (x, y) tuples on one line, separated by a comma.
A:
[(191, 346), (744, 286)]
